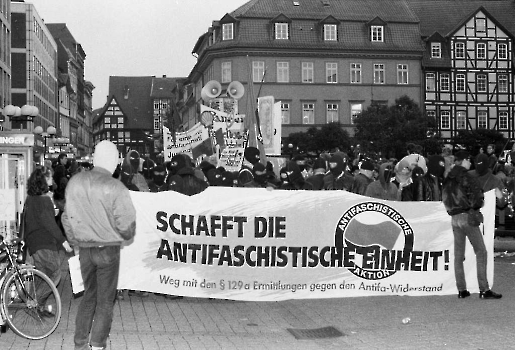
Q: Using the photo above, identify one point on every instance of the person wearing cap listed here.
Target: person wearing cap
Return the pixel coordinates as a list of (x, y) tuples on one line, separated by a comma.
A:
[(364, 178), (463, 198), (99, 216)]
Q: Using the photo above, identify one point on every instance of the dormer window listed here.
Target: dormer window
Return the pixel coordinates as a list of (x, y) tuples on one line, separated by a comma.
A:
[(436, 50), (330, 32), (228, 31), (281, 31), (376, 33)]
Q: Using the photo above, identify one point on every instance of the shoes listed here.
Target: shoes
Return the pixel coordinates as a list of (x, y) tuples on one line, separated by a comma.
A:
[(138, 293), (463, 294), (489, 294)]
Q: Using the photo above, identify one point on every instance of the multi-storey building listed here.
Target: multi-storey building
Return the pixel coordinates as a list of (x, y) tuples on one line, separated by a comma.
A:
[(33, 66), (85, 131), (71, 57), (135, 112), (468, 64), (325, 61), (5, 54)]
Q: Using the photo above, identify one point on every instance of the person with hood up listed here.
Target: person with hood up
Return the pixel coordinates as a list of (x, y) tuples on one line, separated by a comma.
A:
[(291, 177), (316, 181), (337, 178), (364, 177), (251, 157), (147, 169), (428, 187), (383, 188), (214, 177), (463, 198), (99, 216), (259, 177), (158, 182), (130, 175), (488, 181)]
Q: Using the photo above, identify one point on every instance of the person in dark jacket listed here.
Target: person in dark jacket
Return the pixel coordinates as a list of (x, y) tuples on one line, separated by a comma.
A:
[(428, 187), (488, 181), (463, 197), (158, 183), (43, 236), (338, 178), (317, 179), (383, 188), (251, 157), (364, 178)]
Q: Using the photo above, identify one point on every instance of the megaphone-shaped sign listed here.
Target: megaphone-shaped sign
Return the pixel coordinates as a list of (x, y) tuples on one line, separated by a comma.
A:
[(211, 90), (235, 90)]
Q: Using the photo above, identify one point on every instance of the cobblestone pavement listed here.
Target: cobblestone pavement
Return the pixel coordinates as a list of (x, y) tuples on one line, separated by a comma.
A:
[(437, 322)]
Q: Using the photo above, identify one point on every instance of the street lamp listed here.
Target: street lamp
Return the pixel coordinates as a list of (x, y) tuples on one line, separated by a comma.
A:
[(26, 113), (50, 133)]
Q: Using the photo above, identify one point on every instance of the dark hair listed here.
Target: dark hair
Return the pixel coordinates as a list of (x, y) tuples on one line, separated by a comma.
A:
[(37, 184)]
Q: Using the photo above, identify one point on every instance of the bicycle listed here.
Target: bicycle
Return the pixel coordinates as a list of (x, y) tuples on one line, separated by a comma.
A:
[(29, 301)]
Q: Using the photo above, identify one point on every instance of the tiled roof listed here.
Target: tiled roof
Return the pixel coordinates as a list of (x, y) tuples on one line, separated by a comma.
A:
[(163, 87), (348, 10), (138, 106), (445, 15)]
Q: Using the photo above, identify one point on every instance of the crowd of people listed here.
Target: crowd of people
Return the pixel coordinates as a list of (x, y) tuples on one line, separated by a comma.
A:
[(56, 217)]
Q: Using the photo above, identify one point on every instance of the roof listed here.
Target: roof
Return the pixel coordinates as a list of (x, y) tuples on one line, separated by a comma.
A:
[(254, 29), (61, 31), (445, 16)]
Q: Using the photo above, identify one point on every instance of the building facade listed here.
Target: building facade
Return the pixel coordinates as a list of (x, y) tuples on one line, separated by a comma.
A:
[(33, 66), (135, 112), (325, 61), (5, 55), (329, 60)]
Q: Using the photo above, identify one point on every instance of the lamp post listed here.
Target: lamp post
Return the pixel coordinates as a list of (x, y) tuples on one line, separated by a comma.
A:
[(50, 132), (26, 113)]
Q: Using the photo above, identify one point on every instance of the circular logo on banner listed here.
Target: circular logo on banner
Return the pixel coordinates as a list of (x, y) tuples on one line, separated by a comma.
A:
[(376, 239)]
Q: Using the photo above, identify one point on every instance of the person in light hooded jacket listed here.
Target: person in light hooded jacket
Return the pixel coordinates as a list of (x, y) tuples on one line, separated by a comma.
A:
[(99, 216)]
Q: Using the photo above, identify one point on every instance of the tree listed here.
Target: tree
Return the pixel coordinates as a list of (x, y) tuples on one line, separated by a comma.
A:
[(315, 141), (389, 129), (472, 140)]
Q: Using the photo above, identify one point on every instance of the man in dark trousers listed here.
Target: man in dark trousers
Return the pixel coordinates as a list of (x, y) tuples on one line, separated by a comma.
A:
[(463, 197), (99, 216)]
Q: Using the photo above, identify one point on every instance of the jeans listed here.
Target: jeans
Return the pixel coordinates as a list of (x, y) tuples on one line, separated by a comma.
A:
[(462, 230), (49, 262), (99, 269)]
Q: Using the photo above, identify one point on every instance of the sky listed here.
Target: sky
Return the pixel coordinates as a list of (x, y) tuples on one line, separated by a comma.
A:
[(135, 37)]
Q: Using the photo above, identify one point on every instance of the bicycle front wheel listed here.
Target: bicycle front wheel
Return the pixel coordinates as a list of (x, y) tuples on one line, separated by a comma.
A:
[(31, 303)]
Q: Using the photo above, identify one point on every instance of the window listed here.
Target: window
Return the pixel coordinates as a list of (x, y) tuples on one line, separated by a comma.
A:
[(378, 73), (281, 31), (308, 113), (459, 50), (355, 73), (481, 51), (331, 72), (120, 123), (307, 72), (283, 72), (285, 113), (480, 24), (355, 110), (445, 120), (460, 82), (430, 81), (258, 71), (107, 122), (332, 112), (227, 31), (330, 33), (226, 72), (461, 120), (503, 83), (481, 82), (157, 124), (436, 50), (502, 51), (444, 82), (402, 74), (481, 120), (376, 33), (503, 120)]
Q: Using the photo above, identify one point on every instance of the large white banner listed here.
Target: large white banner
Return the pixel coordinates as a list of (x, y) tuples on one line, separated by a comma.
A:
[(259, 244)]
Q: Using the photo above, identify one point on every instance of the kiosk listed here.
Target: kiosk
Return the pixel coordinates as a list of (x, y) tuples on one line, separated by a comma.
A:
[(17, 159)]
